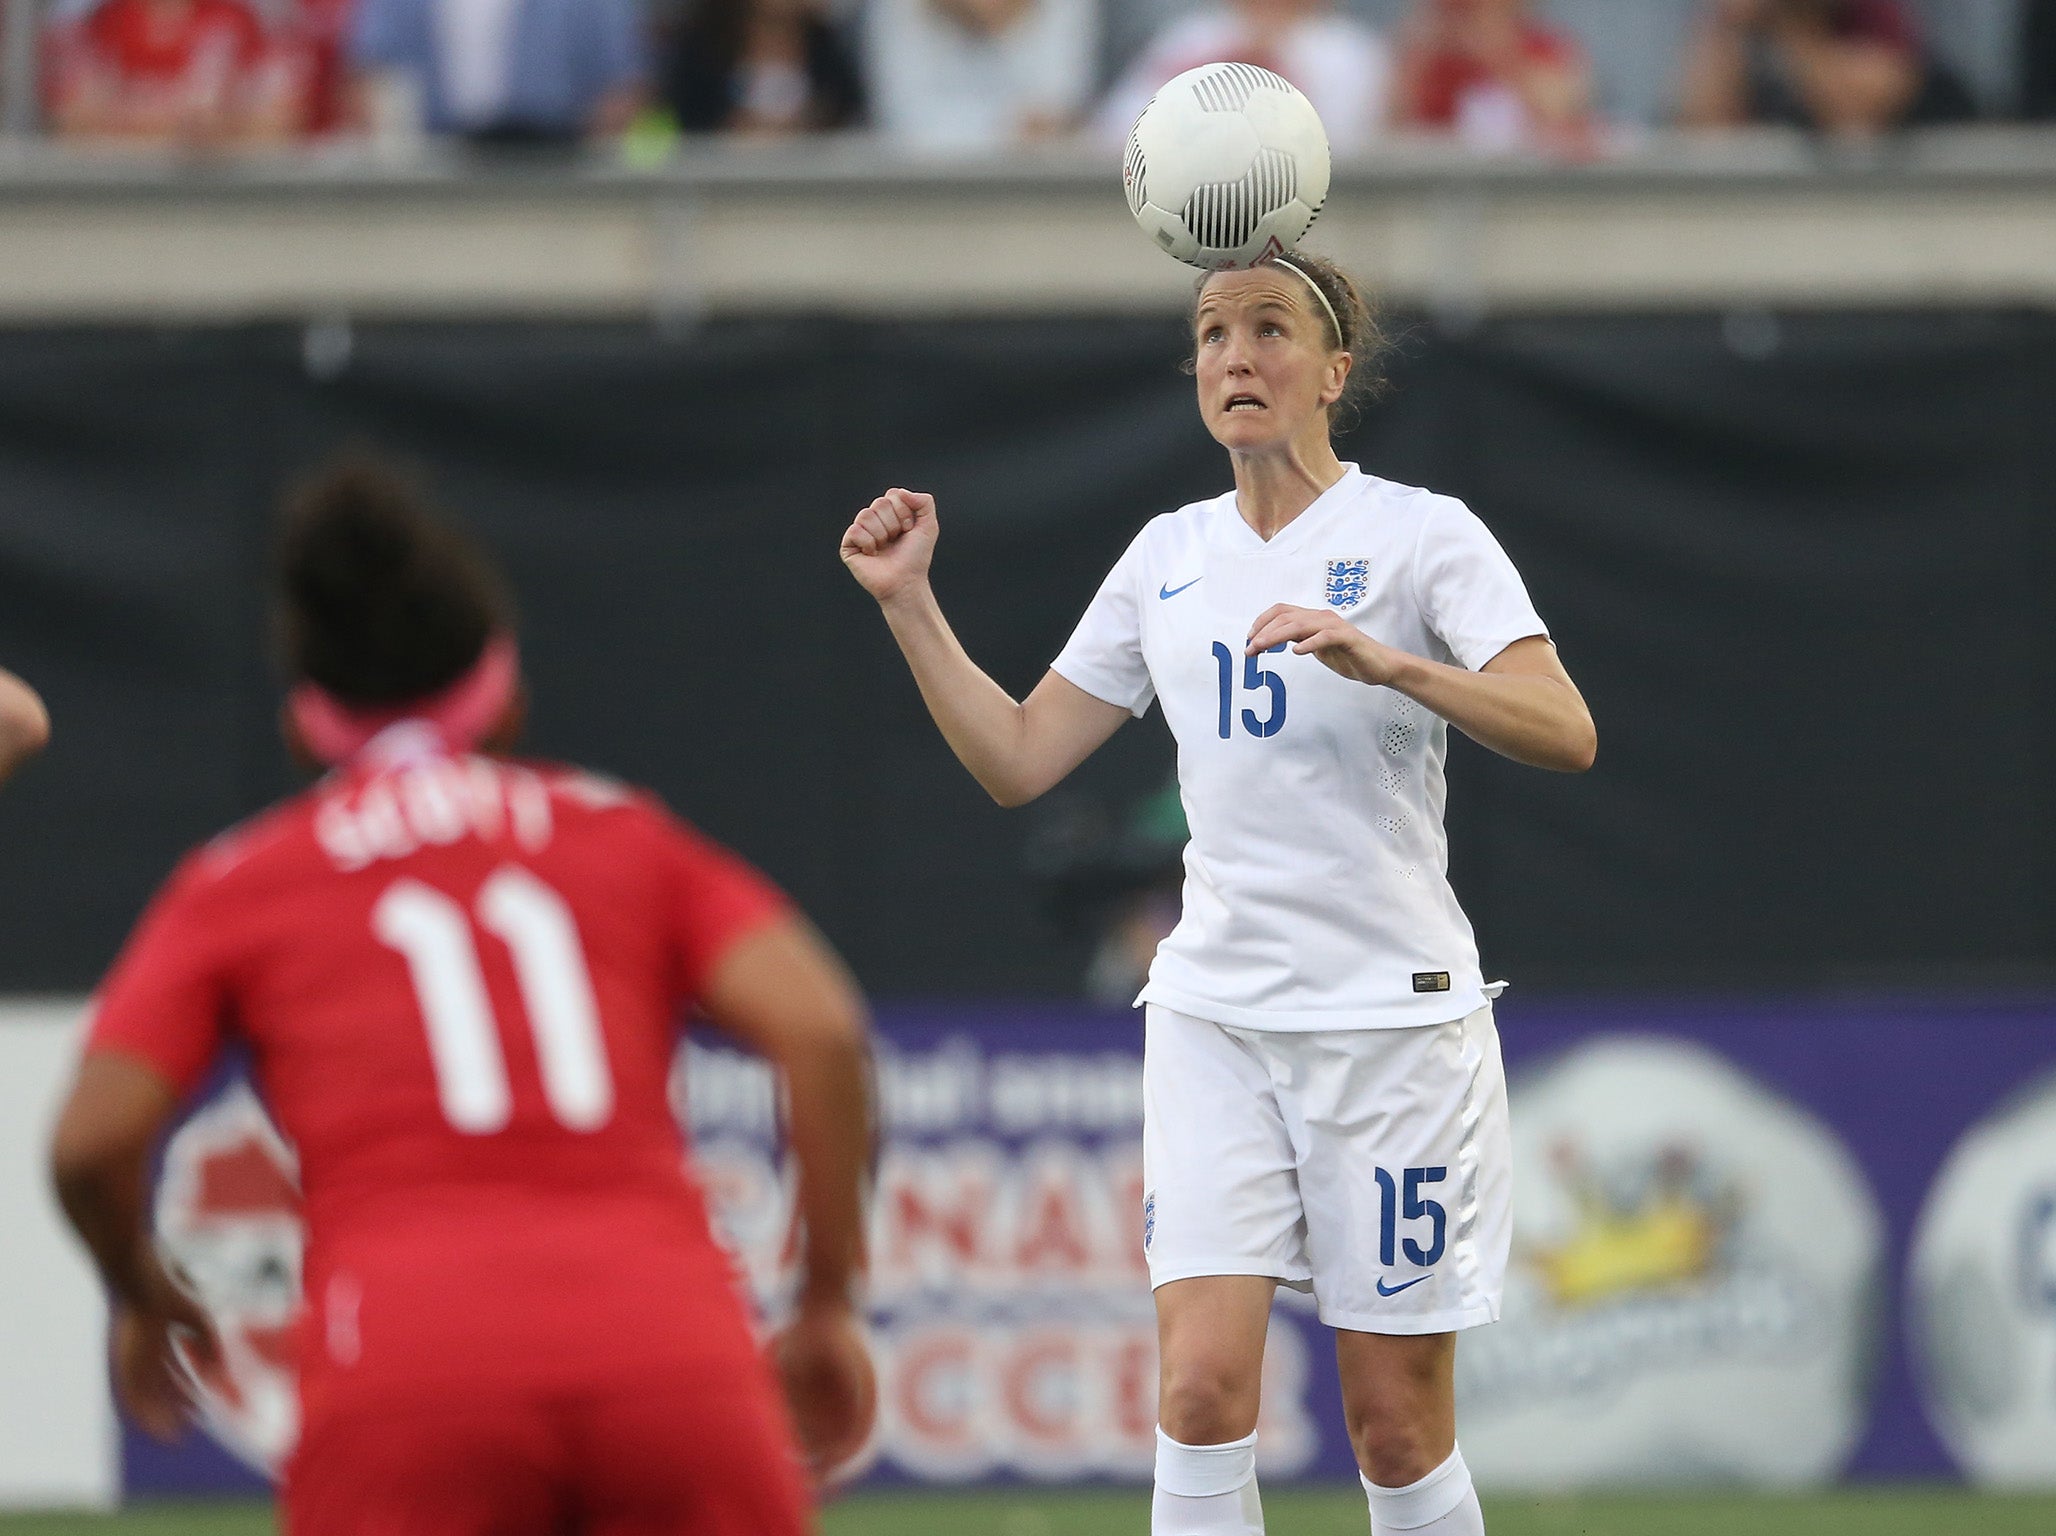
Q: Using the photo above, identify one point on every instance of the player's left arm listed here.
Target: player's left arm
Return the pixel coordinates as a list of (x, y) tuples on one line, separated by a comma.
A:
[(1522, 703), (100, 1165), (781, 990), (24, 724)]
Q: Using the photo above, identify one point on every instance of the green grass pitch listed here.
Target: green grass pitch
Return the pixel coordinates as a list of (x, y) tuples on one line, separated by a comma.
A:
[(1911, 1511)]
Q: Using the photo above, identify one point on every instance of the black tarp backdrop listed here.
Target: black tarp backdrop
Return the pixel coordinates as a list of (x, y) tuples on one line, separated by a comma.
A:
[(1801, 565)]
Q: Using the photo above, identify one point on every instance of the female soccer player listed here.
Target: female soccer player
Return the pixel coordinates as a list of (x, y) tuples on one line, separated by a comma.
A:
[(1324, 1103), (24, 724), (459, 979)]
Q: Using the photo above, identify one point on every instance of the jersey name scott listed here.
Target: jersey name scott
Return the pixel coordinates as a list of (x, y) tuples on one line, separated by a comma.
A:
[(432, 805)]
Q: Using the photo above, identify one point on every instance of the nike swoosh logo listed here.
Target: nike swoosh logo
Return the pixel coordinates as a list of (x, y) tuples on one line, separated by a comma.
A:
[(1167, 592), (1395, 1290)]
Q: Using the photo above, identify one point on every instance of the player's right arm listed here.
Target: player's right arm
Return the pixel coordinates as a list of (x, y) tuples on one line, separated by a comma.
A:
[(1016, 750), (159, 1022), (24, 724), (100, 1165)]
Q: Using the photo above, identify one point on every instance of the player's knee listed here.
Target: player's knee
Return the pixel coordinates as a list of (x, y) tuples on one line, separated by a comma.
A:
[(1207, 1401), (1393, 1447)]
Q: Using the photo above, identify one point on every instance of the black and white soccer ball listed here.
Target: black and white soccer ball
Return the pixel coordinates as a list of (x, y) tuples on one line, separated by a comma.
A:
[(1227, 165)]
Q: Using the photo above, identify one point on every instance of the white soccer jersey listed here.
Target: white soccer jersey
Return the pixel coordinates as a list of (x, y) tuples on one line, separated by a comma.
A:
[(1316, 881)]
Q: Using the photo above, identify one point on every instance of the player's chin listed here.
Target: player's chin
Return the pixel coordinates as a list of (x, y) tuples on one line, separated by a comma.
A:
[(1247, 431)]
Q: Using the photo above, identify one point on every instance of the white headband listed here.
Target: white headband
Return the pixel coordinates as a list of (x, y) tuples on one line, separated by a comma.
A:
[(1340, 340)]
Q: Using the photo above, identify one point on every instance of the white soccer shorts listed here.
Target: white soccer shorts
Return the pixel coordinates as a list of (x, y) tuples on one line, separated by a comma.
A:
[(1372, 1167)]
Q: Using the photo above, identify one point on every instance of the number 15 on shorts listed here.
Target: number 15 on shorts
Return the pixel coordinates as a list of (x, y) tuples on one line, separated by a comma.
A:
[(1399, 1200)]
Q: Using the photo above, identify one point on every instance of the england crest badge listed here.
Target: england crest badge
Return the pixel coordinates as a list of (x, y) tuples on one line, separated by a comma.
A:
[(1349, 583)]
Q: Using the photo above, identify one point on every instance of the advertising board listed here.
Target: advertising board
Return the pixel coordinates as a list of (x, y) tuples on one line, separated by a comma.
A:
[(1715, 1204), (1694, 1283), (1982, 1298), (57, 1430)]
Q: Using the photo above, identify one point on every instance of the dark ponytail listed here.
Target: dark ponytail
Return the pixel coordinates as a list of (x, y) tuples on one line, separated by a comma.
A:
[(379, 602)]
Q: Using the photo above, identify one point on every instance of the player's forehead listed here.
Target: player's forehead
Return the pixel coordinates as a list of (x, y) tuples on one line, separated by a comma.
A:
[(1229, 294)]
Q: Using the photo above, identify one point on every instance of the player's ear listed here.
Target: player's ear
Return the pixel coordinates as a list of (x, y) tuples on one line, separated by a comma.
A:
[(296, 742), (503, 737), (1338, 377)]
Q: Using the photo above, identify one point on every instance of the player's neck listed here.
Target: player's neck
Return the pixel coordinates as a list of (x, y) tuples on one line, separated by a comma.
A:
[(1272, 489)]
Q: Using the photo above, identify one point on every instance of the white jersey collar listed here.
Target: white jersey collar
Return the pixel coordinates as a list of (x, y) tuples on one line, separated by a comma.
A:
[(1241, 538)]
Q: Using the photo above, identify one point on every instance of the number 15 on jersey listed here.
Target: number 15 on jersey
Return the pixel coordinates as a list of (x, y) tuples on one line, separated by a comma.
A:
[(1256, 678)]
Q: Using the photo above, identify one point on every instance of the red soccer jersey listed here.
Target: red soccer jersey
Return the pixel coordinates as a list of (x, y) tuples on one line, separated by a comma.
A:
[(460, 982), (213, 36), (1448, 76)]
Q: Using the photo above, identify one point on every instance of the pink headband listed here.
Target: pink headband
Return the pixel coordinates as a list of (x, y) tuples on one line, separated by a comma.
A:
[(463, 714)]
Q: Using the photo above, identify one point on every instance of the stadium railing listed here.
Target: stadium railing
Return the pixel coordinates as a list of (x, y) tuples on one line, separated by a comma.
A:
[(1963, 216)]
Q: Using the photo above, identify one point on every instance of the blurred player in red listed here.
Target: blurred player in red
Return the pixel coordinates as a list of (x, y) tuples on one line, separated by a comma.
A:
[(460, 978), (24, 724)]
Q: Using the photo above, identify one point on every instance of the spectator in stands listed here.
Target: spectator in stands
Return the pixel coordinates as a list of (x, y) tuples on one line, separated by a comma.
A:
[(979, 74), (2038, 59), (317, 34), (503, 71), (1844, 67), (12, 15), (1343, 65), (765, 68), (1493, 75), (198, 72)]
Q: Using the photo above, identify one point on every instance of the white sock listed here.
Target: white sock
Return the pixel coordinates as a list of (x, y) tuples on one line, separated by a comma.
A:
[(1206, 1490), (1441, 1504)]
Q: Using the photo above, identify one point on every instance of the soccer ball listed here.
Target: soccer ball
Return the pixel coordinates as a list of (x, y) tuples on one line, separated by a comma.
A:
[(1227, 165)]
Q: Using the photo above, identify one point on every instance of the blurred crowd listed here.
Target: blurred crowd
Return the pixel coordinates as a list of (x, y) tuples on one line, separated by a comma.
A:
[(978, 75)]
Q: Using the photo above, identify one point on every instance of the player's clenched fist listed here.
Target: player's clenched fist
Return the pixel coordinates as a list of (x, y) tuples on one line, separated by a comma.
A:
[(889, 545)]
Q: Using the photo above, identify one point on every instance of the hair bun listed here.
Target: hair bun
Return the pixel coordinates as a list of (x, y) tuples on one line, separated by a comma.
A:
[(382, 602)]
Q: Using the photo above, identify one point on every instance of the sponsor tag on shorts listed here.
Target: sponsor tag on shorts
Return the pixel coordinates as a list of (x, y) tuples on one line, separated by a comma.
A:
[(1431, 981)]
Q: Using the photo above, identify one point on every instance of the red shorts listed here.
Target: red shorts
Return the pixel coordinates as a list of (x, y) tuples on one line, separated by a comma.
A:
[(654, 1457), (535, 1367)]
